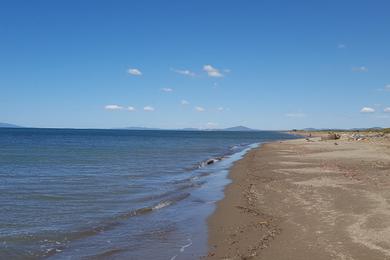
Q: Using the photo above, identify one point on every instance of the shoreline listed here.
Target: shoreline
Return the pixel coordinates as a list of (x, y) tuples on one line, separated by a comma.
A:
[(306, 199)]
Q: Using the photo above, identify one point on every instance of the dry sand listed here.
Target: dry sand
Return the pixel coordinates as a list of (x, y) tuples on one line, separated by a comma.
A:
[(306, 200)]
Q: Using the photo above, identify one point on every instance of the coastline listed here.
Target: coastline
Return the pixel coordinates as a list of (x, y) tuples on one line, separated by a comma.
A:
[(306, 199), (143, 194)]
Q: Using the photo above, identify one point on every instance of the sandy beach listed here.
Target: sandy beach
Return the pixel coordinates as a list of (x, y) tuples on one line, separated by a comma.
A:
[(306, 199)]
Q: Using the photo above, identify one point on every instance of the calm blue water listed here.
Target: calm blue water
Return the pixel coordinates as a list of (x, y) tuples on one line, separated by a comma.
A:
[(117, 194)]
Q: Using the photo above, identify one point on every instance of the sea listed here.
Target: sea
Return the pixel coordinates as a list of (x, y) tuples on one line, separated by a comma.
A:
[(114, 194)]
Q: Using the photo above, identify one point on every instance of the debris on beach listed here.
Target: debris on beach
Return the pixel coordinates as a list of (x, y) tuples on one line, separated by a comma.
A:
[(331, 136)]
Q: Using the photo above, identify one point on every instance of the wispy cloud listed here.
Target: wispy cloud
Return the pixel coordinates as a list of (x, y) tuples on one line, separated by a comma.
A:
[(360, 69), (295, 115), (220, 109), (184, 102), (167, 89), (341, 46), (386, 88), (149, 109), (386, 110), (367, 110), (185, 72), (200, 109), (118, 107), (211, 125), (134, 72), (212, 72), (113, 107)]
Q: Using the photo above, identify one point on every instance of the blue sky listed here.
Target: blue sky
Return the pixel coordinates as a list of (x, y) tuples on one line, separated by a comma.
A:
[(174, 64)]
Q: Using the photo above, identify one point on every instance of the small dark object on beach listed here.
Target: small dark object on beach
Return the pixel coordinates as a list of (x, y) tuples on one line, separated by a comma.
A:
[(336, 144)]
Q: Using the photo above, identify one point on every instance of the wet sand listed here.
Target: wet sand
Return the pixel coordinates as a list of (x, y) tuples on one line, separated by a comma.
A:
[(305, 199)]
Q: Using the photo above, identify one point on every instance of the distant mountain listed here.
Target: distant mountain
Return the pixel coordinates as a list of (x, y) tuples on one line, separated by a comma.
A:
[(5, 125), (232, 129), (239, 128), (138, 128)]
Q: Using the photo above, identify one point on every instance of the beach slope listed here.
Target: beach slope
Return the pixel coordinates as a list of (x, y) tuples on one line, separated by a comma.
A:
[(306, 199)]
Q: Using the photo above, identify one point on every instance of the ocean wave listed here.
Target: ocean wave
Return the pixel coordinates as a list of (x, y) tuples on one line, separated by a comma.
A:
[(232, 150), (228, 152), (182, 248), (210, 161), (107, 254), (159, 205), (239, 146), (54, 243), (179, 185), (116, 220)]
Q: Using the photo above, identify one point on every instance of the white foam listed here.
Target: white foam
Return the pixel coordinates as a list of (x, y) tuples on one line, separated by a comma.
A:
[(182, 249), (162, 205), (185, 246)]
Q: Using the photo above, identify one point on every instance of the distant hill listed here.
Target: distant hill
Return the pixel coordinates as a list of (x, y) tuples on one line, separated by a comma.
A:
[(232, 129), (375, 128), (239, 128), (339, 129), (138, 128), (310, 129), (5, 125)]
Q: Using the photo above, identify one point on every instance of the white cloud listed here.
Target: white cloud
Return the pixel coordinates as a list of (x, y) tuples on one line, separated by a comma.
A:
[(185, 72), (134, 72), (149, 109), (131, 109), (387, 87), (184, 102), (386, 110), (360, 69), (212, 72), (295, 115), (341, 46), (367, 110), (113, 107), (199, 109), (220, 109), (167, 89)]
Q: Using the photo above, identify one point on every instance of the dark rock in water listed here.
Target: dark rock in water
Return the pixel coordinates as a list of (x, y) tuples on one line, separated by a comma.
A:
[(211, 161), (214, 160)]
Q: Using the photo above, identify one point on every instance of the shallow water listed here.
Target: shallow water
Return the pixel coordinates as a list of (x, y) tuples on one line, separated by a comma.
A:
[(71, 194)]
